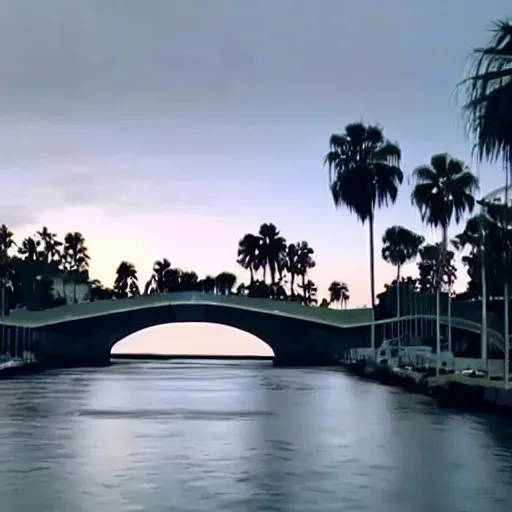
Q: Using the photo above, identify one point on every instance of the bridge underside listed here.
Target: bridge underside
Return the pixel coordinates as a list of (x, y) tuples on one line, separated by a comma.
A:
[(295, 342)]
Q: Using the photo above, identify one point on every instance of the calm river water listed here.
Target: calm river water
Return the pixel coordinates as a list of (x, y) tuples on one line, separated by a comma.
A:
[(244, 436)]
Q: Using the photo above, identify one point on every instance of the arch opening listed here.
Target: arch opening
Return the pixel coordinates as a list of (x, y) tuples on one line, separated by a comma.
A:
[(192, 339)]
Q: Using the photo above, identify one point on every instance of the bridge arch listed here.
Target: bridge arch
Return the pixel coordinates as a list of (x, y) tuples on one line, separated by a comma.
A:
[(192, 339), (83, 335)]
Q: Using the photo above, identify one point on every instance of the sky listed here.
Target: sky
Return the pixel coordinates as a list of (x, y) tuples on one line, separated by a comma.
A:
[(172, 128)]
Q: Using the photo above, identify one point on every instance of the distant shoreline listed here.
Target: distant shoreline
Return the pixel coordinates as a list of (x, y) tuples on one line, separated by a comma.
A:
[(145, 357)]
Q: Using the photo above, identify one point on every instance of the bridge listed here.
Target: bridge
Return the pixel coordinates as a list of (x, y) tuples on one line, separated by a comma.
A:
[(84, 334)]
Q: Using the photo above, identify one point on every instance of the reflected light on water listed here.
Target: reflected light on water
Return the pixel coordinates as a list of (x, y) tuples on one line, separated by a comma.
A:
[(193, 339)]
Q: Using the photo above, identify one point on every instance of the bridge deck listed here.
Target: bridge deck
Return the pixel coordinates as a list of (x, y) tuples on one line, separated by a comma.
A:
[(338, 318), (341, 318)]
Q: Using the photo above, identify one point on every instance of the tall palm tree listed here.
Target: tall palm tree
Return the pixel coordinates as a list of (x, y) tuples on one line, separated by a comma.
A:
[(126, 282), (249, 254), (487, 110), (444, 190), (272, 247), (488, 89), (364, 175)]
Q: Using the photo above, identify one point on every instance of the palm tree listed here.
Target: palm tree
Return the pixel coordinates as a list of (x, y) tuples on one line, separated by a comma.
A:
[(444, 189), (309, 290), (272, 247), (364, 175), (338, 292), (291, 265), (487, 110), (488, 89), (335, 292), (225, 282), (6, 243), (75, 258), (160, 275), (249, 254), (126, 282), (305, 262), (400, 245), (345, 295), (51, 246)]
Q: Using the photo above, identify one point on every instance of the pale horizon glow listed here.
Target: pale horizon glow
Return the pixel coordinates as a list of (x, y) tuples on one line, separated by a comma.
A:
[(170, 129), (192, 339)]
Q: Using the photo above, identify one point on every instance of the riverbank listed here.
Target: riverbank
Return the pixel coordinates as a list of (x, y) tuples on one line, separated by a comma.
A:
[(449, 389)]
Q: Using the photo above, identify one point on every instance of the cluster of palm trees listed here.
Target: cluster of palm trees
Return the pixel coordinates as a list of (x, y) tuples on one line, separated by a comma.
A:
[(164, 279), (365, 175), (28, 270), (287, 266)]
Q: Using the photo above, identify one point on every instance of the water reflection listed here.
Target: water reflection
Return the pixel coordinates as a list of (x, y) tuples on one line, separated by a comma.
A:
[(227, 436)]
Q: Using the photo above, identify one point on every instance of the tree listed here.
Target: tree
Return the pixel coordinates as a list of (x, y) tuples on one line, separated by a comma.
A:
[(75, 258), (309, 291), (207, 285), (305, 262), (160, 275), (400, 245), (6, 243), (291, 265), (364, 175), (485, 230), (488, 95), (249, 256), (100, 292), (126, 282), (443, 190), (225, 282), (51, 246), (272, 247), (339, 293), (435, 268)]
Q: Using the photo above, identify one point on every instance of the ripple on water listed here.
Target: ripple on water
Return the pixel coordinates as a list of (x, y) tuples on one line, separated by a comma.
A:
[(248, 437)]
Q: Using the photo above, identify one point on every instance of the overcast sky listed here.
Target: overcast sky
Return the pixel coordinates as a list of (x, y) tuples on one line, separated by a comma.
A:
[(171, 128)]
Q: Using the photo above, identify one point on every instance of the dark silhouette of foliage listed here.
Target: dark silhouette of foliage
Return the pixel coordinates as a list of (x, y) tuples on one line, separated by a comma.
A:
[(339, 293), (364, 175), (488, 97)]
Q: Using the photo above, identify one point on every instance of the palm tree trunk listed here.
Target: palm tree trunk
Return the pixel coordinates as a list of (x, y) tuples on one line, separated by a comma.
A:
[(506, 365), (445, 256), (398, 311), (438, 329), (372, 284), (483, 279)]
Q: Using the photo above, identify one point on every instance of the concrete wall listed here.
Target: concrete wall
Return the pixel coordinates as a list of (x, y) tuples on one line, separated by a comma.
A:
[(88, 341)]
